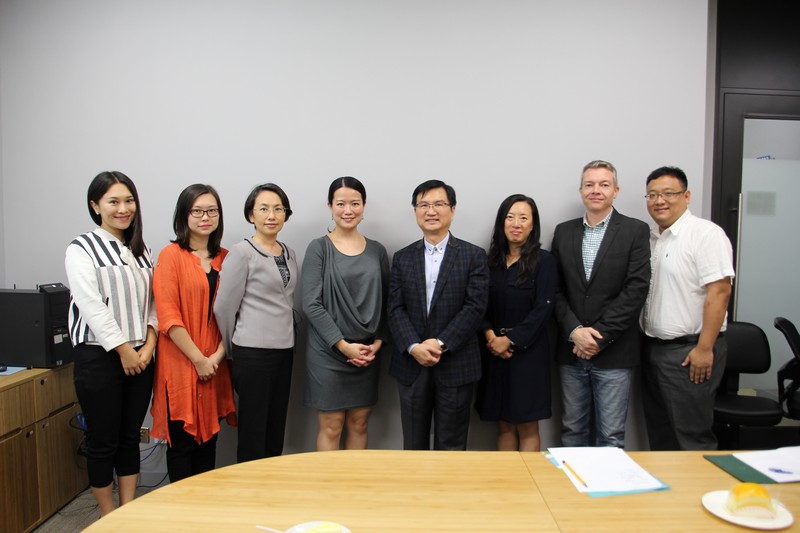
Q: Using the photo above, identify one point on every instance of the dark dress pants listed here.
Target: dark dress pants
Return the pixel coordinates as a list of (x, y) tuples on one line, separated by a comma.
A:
[(262, 378), (449, 407), (185, 456), (679, 414)]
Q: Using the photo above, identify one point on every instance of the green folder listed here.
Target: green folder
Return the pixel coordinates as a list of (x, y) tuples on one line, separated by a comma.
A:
[(739, 469)]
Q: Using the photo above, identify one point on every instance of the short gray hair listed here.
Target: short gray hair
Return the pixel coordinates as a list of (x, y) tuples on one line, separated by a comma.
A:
[(599, 163)]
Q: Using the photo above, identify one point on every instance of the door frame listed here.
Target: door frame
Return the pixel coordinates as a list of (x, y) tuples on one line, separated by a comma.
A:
[(735, 106)]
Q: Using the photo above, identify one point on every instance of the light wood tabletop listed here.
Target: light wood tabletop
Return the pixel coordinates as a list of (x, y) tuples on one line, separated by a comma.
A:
[(367, 491), (689, 476), (393, 491)]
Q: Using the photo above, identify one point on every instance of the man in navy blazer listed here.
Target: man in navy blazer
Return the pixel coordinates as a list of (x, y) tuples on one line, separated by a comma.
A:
[(438, 292), (604, 275)]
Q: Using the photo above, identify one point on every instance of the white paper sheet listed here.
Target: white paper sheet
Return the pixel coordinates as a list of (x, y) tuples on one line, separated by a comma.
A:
[(782, 465), (604, 470)]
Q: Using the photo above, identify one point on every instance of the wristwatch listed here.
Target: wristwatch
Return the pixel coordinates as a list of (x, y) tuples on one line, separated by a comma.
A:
[(442, 345)]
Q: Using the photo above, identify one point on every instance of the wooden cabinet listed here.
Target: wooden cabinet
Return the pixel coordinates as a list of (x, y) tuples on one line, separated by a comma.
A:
[(62, 472), (40, 469), (19, 498), (53, 391)]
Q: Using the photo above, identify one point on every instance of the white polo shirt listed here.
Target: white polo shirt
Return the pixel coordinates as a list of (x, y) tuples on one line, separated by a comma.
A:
[(685, 257)]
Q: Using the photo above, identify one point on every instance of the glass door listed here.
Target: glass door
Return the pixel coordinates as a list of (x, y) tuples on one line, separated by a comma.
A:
[(768, 251)]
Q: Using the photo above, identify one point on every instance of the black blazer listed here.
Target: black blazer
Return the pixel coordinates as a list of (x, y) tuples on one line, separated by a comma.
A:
[(613, 297), (457, 309)]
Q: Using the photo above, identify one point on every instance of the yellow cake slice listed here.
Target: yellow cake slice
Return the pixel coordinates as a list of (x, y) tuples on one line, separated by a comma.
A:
[(750, 499)]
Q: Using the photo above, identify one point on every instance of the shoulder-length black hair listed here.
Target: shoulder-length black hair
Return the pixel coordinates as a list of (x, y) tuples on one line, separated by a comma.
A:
[(347, 182), (529, 254), (180, 220), (98, 188)]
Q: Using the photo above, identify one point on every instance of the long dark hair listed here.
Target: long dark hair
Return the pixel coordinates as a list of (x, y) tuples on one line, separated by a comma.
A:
[(529, 254), (180, 220), (98, 188)]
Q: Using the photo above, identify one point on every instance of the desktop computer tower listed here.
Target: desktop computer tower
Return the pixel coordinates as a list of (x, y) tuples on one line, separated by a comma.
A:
[(33, 327)]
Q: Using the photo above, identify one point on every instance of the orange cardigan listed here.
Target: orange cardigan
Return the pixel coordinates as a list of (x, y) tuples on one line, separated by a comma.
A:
[(180, 290)]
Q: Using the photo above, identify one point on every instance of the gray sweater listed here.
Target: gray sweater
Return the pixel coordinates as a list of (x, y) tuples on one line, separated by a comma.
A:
[(252, 307)]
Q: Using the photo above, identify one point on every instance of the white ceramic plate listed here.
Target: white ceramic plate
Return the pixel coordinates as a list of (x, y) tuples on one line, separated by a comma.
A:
[(307, 526), (715, 503)]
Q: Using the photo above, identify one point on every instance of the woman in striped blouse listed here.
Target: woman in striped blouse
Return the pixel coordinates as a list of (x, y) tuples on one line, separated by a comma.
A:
[(112, 324)]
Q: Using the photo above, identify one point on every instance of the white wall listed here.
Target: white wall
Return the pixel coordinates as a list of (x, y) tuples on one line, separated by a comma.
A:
[(493, 97)]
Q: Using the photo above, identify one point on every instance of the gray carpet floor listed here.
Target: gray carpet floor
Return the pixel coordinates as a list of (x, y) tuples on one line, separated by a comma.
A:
[(79, 514)]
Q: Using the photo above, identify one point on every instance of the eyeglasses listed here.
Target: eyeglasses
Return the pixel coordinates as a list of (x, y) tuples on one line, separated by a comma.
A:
[(437, 206), (668, 196), (198, 213), (278, 210)]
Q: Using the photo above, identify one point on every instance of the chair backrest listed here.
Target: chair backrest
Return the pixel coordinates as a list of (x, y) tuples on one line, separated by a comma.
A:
[(748, 349), (748, 353), (791, 370), (790, 332)]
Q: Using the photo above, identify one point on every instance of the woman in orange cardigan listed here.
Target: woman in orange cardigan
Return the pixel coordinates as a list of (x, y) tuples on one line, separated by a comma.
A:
[(192, 389)]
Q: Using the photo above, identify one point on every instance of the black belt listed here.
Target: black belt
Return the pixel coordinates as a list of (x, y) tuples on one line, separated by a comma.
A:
[(366, 342), (686, 339)]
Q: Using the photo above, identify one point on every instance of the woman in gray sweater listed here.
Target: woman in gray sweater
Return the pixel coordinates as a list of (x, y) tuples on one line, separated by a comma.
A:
[(345, 284), (255, 316)]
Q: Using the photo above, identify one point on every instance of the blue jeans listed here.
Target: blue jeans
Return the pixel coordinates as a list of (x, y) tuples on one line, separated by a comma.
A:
[(584, 385)]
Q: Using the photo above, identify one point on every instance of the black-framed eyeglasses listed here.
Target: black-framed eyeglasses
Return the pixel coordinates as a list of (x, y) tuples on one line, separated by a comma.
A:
[(198, 213), (668, 196)]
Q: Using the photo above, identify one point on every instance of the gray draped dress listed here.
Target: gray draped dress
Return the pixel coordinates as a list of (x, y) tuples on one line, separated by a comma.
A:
[(344, 297)]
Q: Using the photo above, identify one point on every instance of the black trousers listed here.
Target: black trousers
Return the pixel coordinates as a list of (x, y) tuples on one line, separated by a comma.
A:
[(114, 406), (262, 378), (448, 406), (185, 457)]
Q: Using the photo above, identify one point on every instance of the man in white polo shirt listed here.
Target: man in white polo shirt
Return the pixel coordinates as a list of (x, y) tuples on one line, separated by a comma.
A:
[(684, 317)]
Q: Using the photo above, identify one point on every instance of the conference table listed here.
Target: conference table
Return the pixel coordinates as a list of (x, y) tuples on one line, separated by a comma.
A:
[(430, 491)]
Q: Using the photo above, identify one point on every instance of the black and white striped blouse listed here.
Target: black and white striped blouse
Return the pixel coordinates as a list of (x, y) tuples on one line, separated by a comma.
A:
[(111, 300)]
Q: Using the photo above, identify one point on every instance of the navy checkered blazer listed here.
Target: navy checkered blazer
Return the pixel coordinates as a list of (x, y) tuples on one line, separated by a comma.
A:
[(457, 309)]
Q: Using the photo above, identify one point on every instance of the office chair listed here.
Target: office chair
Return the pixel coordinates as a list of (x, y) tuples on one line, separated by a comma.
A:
[(789, 395), (748, 353)]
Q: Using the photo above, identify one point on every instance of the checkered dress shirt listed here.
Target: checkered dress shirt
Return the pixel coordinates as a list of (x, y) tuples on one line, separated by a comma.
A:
[(592, 237)]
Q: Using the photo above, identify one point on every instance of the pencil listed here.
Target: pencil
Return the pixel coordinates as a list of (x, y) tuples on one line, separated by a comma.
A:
[(574, 473)]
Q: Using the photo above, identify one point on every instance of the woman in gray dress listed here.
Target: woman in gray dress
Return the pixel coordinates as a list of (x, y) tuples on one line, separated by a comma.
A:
[(345, 280)]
